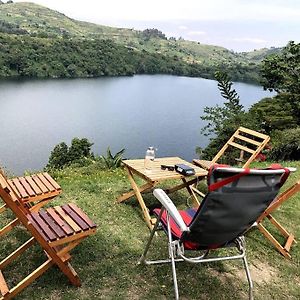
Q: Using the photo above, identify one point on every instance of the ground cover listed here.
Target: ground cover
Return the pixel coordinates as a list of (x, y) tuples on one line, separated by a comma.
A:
[(107, 261)]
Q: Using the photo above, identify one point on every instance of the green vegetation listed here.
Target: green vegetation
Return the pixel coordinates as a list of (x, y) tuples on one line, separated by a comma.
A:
[(112, 161), (107, 262), (222, 121), (38, 42), (79, 152), (278, 117)]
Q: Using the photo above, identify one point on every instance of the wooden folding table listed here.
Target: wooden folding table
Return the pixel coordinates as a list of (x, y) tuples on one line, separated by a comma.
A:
[(156, 175)]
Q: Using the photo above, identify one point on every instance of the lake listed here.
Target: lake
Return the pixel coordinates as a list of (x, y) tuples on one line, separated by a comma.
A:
[(120, 112)]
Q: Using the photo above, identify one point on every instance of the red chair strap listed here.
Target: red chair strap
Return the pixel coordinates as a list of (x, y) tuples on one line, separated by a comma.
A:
[(225, 181)]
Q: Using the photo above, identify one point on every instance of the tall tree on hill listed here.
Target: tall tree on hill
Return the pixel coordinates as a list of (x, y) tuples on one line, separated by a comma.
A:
[(222, 121), (281, 72)]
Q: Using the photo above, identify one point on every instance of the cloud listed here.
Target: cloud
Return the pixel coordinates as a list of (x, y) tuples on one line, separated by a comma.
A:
[(182, 27), (250, 40), (157, 10), (196, 33)]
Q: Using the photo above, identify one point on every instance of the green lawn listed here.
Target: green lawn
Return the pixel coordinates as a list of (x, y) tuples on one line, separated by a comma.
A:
[(107, 262)]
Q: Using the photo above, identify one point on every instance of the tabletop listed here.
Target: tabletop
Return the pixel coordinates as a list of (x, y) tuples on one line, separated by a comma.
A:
[(156, 173)]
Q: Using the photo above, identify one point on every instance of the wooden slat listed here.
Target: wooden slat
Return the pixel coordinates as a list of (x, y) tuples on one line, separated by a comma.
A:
[(37, 227), (250, 141), (206, 164), (254, 133), (75, 217), (58, 231), (289, 242), (12, 187), (52, 181), (33, 185), (82, 215), (26, 186), (3, 182), (40, 184), (46, 182), (20, 188), (241, 147), (63, 225), (67, 219), (3, 286), (44, 226)]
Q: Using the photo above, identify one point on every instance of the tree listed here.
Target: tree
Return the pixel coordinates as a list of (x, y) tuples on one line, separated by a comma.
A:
[(222, 121), (281, 72), (58, 157), (228, 117)]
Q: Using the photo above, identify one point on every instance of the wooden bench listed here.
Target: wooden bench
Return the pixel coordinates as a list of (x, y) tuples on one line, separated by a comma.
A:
[(57, 230)]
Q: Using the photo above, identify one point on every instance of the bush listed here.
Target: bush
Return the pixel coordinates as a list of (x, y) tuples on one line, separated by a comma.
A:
[(286, 145), (79, 152), (112, 161)]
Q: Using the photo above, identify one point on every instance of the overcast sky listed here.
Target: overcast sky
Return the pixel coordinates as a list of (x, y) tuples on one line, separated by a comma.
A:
[(241, 25)]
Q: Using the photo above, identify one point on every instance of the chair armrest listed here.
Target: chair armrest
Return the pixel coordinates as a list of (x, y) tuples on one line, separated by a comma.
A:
[(170, 207)]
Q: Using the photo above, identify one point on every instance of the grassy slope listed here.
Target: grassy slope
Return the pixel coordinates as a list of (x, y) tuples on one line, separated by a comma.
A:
[(38, 19), (106, 262)]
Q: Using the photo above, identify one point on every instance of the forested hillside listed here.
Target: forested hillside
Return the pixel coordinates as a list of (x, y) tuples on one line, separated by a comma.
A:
[(39, 42)]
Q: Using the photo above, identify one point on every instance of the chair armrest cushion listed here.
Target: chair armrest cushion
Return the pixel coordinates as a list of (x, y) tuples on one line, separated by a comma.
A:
[(170, 207)]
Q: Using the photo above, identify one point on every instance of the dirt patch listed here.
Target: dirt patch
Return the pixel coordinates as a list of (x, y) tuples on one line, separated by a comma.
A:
[(261, 272)]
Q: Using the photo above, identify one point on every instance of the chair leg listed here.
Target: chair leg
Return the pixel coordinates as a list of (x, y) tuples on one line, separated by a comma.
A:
[(143, 257), (171, 255), (248, 277)]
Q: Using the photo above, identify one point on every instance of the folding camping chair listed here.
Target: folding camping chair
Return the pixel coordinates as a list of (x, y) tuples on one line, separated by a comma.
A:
[(235, 199), (246, 140), (34, 192), (57, 230), (266, 215)]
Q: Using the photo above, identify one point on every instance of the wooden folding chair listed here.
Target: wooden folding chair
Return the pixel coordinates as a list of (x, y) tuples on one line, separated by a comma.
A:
[(34, 192), (266, 215), (57, 230), (248, 141)]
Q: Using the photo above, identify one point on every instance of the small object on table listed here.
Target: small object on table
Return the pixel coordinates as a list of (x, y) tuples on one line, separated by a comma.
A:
[(184, 170), (166, 167)]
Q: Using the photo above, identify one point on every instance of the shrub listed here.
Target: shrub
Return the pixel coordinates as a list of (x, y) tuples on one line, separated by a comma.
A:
[(79, 152), (112, 161), (286, 145)]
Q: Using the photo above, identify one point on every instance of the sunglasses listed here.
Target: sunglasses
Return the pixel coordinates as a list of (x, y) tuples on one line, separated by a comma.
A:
[(166, 167)]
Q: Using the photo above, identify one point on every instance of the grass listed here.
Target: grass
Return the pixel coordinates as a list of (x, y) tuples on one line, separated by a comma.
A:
[(107, 261)]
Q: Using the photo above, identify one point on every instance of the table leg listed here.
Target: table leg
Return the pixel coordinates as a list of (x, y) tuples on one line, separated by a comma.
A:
[(143, 188), (138, 194), (191, 192)]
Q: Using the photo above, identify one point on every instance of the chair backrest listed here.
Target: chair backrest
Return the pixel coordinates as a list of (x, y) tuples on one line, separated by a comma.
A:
[(249, 141), (235, 199), (10, 198)]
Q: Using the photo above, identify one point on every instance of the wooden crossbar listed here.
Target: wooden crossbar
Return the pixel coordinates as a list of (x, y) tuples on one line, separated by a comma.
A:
[(3, 285), (266, 215), (244, 139), (236, 145), (254, 133)]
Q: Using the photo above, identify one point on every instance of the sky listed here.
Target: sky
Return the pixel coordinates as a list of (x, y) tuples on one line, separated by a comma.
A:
[(238, 25)]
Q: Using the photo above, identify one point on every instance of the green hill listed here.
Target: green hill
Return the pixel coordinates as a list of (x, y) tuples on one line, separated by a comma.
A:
[(42, 26)]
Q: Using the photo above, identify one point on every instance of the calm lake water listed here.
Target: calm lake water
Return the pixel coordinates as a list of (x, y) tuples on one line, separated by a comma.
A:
[(124, 112)]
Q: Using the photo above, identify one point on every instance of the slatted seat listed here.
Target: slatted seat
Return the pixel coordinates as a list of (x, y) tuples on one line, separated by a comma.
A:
[(62, 224), (35, 187), (57, 230), (248, 141)]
